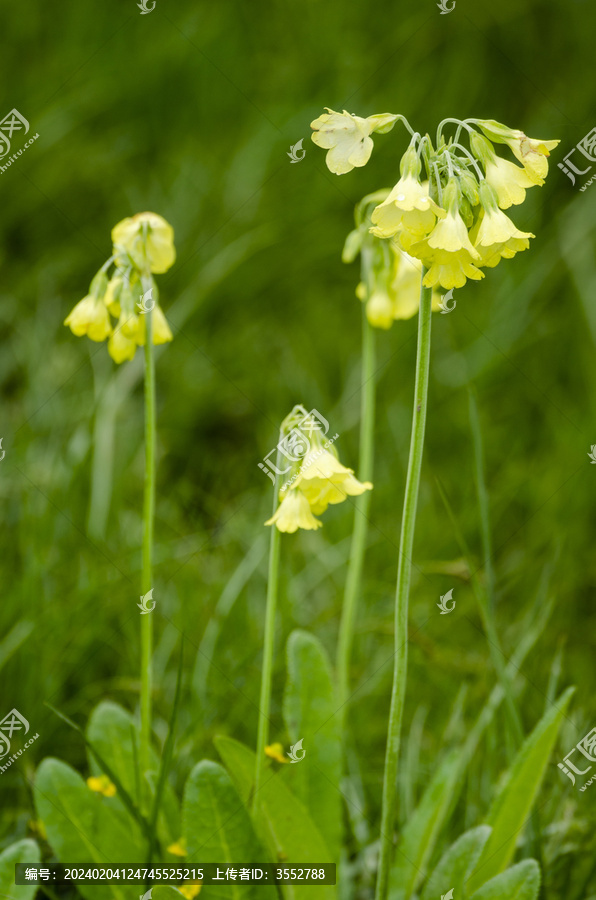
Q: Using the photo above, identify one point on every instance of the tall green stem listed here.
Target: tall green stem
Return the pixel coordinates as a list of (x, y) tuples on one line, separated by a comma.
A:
[(148, 519), (269, 641), (402, 591), (362, 504)]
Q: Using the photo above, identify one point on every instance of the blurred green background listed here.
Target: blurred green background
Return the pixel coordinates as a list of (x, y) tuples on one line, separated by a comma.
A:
[(190, 112)]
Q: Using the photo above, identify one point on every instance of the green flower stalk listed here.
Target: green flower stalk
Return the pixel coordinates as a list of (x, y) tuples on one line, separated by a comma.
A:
[(453, 225), (142, 245), (314, 479)]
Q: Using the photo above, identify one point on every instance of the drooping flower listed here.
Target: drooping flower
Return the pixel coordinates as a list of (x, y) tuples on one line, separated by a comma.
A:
[(121, 347), (90, 316), (450, 270), (509, 181), (408, 209), (494, 234), (324, 480), (101, 784), (532, 153), (316, 477), (347, 138), (148, 240), (294, 512), (450, 233)]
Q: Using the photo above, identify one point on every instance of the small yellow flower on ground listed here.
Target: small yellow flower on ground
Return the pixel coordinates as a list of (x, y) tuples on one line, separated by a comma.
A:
[(178, 848), (190, 891), (148, 240), (101, 784), (276, 752)]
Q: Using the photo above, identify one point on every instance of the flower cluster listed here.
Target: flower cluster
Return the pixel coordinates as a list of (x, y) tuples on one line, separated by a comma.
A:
[(452, 223), (142, 245), (318, 479), (390, 285)]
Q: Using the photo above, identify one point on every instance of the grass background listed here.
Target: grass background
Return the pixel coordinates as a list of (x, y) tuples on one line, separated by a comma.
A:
[(189, 112)]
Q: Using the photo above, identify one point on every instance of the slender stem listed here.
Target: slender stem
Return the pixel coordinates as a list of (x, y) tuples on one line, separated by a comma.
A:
[(402, 592), (482, 496), (269, 640), (148, 519), (361, 504)]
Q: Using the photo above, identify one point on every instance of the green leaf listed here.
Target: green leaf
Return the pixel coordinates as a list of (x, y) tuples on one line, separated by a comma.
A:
[(166, 892), (420, 834), (284, 824), (113, 732), (456, 864), (25, 851), (85, 827), (520, 882), (310, 714), (513, 804), (218, 829)]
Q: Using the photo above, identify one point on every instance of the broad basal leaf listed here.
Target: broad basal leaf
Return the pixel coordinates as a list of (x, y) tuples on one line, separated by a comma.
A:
[(520, 882), (25, 851), (218, 829), (457, 864), (310, 713), (512, 807)]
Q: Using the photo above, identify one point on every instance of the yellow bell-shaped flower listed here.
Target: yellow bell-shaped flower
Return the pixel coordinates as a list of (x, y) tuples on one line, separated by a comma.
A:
[(293, 513), (90, 316), (148, 240)]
